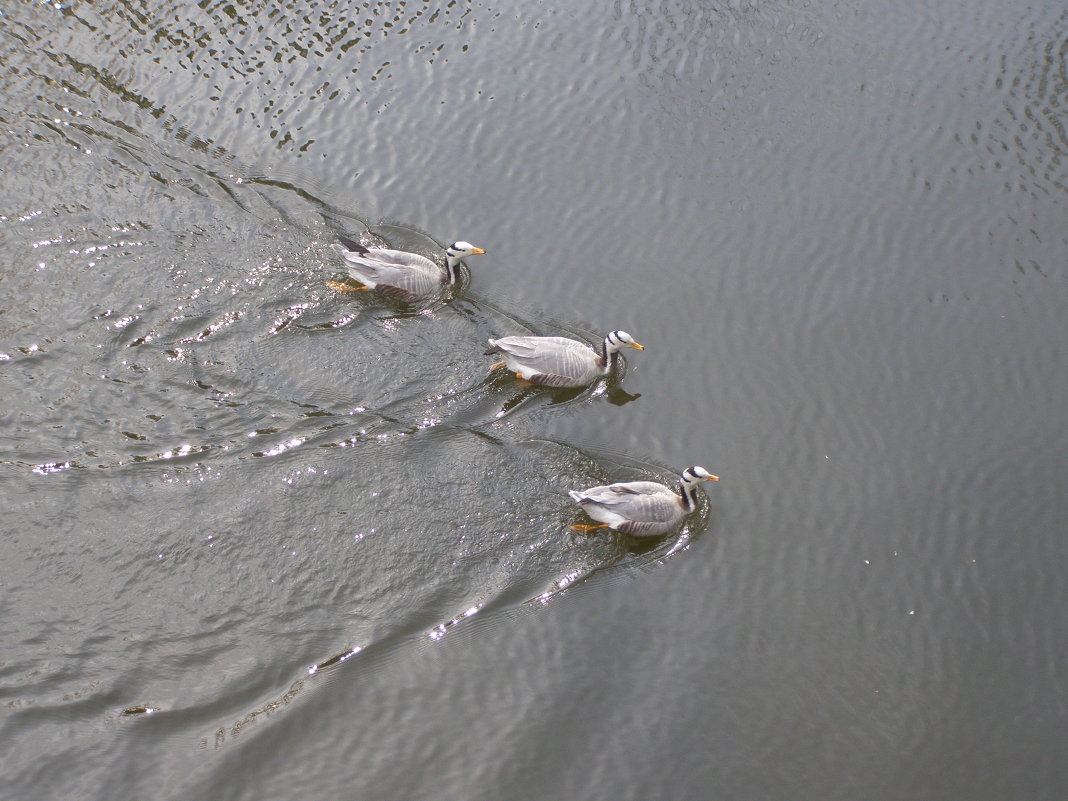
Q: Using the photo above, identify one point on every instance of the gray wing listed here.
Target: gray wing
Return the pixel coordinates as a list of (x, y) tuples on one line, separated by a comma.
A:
[(640, 502), (400, 258), (529, 347), (418, 277), (555, 381), (396, 293), (562, 361), (353, 251), (408, 284), (645, 528)]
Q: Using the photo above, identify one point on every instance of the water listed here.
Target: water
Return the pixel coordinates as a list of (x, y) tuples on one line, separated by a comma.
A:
[(264, 539)]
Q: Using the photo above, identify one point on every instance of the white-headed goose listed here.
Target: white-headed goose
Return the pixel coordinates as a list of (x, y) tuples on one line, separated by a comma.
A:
[(401, 275), (641, 508), (559, 361)]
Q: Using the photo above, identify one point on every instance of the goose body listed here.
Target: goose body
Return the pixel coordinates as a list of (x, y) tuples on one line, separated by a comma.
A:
[(559, 361), (401, 275), (642, 508)]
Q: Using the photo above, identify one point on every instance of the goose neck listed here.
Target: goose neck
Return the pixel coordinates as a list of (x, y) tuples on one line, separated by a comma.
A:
[(452, 269), (689, 495), (609, 355)]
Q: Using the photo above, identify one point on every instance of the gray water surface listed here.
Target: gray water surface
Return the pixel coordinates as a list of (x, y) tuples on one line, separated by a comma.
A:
[(263, 539)]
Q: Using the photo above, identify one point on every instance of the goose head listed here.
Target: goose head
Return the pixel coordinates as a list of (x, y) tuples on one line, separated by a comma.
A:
[(461, 250), (696, 474), (617, 340), (691, 477)]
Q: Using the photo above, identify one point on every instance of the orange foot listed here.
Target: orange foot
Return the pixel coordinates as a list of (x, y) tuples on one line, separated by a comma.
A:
[(496, 366), (341, 286), (581, 527)]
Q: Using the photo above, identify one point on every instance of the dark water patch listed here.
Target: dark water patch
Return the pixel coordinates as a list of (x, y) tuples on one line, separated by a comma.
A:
[(603, 557), (838, 231), (375, 545), (170, 67)]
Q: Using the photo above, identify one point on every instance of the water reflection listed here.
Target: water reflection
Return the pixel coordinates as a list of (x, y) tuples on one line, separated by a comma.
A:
[(291, 464), (228, 482)]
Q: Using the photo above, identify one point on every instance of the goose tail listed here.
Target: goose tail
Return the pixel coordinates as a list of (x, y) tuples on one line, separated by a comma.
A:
[(352, 245)]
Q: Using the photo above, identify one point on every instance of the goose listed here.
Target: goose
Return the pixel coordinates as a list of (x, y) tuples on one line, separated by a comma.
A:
[(641, 508), (559, 361), (398, 274)]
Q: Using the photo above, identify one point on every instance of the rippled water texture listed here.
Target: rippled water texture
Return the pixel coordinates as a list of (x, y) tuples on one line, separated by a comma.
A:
[(261, 538)]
